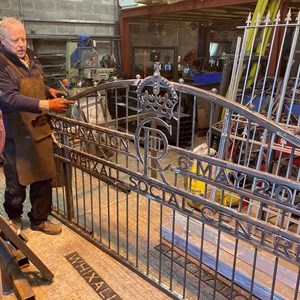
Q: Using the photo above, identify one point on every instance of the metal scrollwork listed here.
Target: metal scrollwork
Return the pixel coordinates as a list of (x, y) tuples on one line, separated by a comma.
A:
[(154, 102)]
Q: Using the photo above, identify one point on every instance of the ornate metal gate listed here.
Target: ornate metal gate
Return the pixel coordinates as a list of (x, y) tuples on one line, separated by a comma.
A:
[(201, 217)]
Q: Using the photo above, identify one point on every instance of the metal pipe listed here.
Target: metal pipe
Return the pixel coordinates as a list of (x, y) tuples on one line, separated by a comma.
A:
[(13, 276), (19, 244), (21, 8), (31, 19), (288, 70)]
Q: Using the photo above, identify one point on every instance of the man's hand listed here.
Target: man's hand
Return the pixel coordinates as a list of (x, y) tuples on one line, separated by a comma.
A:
[(56, 93), (60, 105)]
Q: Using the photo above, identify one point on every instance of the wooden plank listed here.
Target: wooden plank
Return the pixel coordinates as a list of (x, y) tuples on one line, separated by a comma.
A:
[(285, 276)]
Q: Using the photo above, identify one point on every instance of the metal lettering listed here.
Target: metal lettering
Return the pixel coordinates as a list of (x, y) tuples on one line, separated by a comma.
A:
[(94, 167), (91, 136), (219, 219), (146, 189), (245, 232), (173, 200), (263, 235), (149, 161), (113, 141), (237, 180), (152, 156), (81, 131), (133, 182), (280, 192), (184, 163), (97, 285), (89, 271), (143, 186), (203, 170), (152, 191), (101, 137), (282, 246), (261, 188), (124, 145), (75, 258), (103, 291), (206, 214), (90, 278), (112, 297), (83, 162), (193, 268), (224, 219), (82, 267), (103, 171), (66, 126), (222, 177)]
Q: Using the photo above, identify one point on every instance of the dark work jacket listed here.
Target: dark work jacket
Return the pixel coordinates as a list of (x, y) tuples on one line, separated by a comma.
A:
[(2, 133), (31, 131), (10, 98)]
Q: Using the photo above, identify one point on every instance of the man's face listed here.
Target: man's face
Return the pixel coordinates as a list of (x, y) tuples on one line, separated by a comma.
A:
[(14, 40)]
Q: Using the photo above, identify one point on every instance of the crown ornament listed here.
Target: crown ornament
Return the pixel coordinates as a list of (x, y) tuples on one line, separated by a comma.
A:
[(154, 102)]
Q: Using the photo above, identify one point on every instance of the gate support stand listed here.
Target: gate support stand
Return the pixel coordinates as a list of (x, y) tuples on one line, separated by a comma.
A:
[(12, 278)]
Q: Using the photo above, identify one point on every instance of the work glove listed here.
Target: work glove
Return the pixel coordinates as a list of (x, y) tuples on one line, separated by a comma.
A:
[(56, 93), (60, 105)]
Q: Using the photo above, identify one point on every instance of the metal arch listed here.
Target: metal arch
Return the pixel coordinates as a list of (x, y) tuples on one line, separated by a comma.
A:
[(168, 104)]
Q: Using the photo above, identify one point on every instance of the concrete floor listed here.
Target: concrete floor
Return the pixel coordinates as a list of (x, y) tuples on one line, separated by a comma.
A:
[(68, 284)]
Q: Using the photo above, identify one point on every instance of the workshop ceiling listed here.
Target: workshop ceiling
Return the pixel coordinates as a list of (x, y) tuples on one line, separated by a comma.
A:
[(215, 13), (157, 1)]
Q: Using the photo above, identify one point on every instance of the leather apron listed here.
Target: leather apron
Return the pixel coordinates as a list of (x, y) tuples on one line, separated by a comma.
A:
[(32, 136), (2, 133)]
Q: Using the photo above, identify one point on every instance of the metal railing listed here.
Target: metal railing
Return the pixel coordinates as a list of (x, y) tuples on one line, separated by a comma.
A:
[(200, 217)]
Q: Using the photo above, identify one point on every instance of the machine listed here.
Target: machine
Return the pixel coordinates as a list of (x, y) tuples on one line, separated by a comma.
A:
[(84, 66)]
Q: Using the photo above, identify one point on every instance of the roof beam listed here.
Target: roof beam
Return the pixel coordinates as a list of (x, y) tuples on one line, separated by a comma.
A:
[(188, 5)]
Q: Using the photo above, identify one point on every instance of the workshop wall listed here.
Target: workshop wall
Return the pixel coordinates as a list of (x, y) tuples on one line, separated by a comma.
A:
[(180, 34), (50, 24), (222, 36), (50, 19), (164, 34), (55, 17)]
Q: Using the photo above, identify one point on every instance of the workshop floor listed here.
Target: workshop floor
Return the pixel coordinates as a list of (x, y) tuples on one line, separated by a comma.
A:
[(68, 282)]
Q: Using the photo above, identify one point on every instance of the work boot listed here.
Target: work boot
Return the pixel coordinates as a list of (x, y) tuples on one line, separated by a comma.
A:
[(17, 223), (47, 227)]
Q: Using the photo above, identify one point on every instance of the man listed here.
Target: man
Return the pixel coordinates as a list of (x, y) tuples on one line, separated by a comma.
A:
[(28, 150)]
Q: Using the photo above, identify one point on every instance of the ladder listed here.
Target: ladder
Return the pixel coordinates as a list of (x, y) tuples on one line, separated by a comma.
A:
[(247, 47), (264, 35)]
